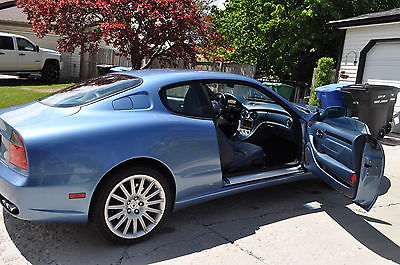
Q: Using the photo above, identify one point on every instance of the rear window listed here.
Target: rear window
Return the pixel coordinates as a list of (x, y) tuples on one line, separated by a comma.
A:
[(91, 91)]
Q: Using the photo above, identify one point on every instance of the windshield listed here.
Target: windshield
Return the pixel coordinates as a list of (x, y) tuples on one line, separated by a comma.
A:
[(247, 92), (92, 90)]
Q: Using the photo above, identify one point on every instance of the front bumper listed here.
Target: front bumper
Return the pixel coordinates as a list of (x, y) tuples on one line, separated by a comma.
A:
[(41, 203)]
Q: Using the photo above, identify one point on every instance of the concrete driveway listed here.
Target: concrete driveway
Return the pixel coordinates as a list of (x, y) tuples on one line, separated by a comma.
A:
[(299, 223)]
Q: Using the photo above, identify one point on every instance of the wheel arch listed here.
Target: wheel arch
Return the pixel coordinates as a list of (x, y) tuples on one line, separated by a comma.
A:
[(142, 161), (52, 61)]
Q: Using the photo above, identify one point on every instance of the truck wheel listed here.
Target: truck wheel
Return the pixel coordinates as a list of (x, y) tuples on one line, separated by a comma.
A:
[(51, 72)]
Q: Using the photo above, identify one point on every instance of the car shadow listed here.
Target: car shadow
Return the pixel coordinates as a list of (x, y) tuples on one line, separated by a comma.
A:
[(201, 227)]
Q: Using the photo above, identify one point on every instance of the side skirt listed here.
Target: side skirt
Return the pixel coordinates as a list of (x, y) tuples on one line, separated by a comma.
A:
[(238, 188)]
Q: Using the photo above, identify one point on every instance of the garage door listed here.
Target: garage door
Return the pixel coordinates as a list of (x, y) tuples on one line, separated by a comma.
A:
[(382, 66)]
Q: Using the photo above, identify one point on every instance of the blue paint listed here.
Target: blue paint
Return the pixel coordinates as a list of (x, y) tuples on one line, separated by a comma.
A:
[(71, 149)]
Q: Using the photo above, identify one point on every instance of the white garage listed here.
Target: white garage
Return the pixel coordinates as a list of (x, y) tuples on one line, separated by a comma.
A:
[(371, 51)]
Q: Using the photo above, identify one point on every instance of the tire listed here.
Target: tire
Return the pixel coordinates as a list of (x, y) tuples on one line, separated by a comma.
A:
[(123, 216), (51, 72)]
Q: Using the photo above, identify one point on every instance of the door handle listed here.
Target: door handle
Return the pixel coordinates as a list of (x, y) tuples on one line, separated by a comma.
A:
[(319, 133), (22, 54)]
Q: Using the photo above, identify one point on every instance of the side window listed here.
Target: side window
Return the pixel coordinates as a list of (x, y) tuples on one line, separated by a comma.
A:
[(24, 45), (6, 43), (188, 99)]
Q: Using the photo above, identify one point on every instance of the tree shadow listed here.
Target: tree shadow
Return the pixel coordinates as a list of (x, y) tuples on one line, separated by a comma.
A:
[(201, 227)]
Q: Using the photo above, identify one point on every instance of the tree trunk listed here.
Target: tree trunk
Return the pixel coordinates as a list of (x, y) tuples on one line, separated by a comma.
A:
[(136, 61)]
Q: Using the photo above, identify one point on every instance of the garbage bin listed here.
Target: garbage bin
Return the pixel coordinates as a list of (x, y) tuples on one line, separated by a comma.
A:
[(284, 90), (392, 103), (374, 106), (103, 69), (331, 95)]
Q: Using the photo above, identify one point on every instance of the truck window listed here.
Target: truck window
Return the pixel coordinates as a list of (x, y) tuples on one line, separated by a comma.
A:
[(24, 45), (6, 43)]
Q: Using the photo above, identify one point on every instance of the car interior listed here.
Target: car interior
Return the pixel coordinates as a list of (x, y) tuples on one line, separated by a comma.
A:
[(255, 133)]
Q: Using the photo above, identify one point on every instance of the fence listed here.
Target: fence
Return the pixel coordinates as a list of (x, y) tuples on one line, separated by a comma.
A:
[(110, 57)]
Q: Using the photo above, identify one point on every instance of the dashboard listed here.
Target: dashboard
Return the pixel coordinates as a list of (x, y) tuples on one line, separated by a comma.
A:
[(249, 116)]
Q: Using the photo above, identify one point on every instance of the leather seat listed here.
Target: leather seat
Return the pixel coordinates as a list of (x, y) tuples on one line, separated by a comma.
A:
[(238, 156)]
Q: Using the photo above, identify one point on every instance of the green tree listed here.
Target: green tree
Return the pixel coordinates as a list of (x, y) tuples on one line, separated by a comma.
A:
[(286, 37), (323, 76)]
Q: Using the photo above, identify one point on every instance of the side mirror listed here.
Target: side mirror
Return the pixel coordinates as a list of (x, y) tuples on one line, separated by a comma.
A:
[(333, 112), (37, 48)]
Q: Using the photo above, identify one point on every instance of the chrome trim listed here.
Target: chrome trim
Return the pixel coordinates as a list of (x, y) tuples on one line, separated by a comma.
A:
[(263, 175)]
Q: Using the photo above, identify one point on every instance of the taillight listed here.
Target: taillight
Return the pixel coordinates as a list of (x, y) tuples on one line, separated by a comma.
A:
[(17, 151)]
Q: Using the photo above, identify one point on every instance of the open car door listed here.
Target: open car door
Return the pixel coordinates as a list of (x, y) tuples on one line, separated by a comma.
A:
[(349, 160)]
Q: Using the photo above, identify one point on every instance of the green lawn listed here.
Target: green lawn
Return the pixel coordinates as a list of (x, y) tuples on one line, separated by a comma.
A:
[(15, 95)]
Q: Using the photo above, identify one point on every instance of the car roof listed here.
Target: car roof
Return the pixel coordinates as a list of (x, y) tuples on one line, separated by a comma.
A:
[(170, 76), (10, 35)]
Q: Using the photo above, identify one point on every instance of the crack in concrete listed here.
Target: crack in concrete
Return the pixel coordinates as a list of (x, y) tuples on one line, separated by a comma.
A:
[(387, 205), (235, 244), (123, 256)]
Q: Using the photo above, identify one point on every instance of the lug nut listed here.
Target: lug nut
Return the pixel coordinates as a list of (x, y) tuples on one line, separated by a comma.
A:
[(129, 210), (136, 211), (141, 203), (136, 198)]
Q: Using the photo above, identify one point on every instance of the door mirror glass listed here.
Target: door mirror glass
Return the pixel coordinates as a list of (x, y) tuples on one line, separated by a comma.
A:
[(333, 113)]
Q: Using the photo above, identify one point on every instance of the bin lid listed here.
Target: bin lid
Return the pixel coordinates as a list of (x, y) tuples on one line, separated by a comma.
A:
[(121, 69), (368, 87), (331, 87)]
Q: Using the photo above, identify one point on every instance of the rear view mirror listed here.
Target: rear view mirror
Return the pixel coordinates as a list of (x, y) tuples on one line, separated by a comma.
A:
[(333, 112)]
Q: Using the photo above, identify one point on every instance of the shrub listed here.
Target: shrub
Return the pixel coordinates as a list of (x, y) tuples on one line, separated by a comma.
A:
[(323, 76)]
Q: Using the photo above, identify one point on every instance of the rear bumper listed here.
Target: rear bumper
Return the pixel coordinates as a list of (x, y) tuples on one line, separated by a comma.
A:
[(40, 203)]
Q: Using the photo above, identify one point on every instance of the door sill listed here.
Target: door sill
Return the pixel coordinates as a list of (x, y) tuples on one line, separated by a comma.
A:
[(229, 181)]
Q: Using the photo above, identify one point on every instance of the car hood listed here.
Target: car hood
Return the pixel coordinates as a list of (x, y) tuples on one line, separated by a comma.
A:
[(50, 51), (33, 113)]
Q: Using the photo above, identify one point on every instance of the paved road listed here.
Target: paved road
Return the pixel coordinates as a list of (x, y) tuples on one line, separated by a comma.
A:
[(299, 223)]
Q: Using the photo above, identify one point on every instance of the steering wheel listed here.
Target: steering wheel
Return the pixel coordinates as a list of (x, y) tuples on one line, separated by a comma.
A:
[(219, 103)]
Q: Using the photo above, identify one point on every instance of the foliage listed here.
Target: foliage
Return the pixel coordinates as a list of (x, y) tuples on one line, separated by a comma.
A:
[(146, 29), (323, 76), (286, 37)]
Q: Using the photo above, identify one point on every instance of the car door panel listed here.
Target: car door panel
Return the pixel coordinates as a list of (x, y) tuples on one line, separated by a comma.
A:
[(8, 54), (339, 155), (28, 58), (372, 168)]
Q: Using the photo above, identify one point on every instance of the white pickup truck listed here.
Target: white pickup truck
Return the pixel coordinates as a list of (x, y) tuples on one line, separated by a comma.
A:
[(20, 56)]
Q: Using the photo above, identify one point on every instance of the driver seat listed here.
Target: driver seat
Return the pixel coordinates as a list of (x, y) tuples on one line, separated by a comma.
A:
[(238, 156)]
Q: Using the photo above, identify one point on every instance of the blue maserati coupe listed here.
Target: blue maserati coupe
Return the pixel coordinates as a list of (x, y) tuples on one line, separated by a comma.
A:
[(124, 150)]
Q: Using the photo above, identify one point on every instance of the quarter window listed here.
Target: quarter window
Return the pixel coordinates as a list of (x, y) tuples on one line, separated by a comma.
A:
[(24, 45), (6, 43)]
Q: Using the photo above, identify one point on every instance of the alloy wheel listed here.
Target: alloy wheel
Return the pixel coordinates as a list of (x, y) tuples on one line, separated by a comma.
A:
[(135, 206)]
